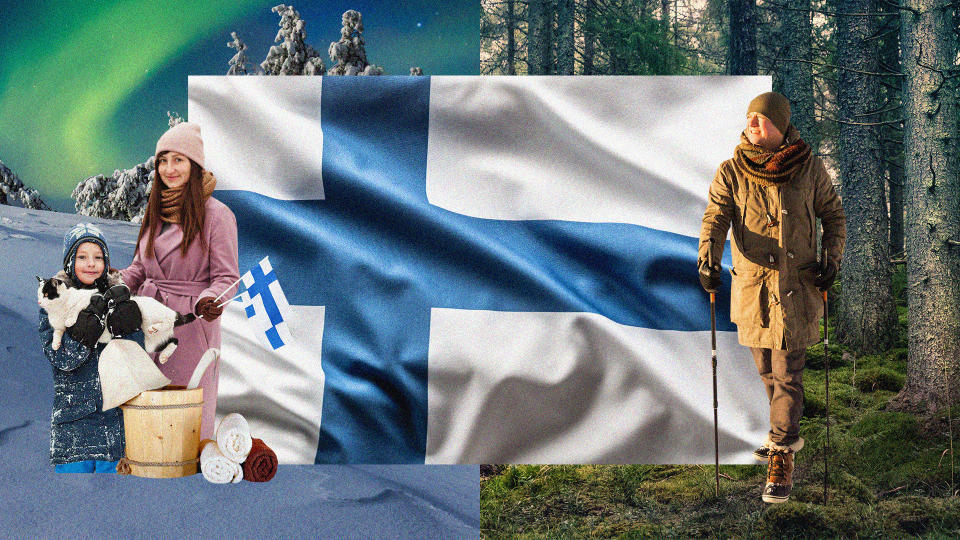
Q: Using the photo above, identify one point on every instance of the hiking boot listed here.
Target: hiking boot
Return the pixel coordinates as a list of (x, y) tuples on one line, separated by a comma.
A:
[(779, 476)]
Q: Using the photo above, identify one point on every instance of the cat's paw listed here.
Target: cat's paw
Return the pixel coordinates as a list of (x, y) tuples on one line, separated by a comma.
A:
[(165, 355), (153, 328), (56, 344)]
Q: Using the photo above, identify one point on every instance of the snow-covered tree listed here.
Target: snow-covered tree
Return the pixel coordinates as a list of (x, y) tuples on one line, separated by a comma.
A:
[(173, 118), (121, 196), (238, 64), (350, 53), (292, 56), (11, 188)]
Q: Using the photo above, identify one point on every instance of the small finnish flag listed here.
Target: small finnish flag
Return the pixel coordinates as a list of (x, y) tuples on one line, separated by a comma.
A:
[(265, 304)]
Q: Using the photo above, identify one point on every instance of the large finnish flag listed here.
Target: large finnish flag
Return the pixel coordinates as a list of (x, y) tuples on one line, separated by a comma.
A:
[(481, 269)]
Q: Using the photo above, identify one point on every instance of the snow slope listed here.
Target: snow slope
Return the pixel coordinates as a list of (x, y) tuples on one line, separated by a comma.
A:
[(342, 501)]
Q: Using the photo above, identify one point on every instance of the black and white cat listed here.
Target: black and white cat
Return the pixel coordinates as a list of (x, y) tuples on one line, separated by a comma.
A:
[(63, 304)]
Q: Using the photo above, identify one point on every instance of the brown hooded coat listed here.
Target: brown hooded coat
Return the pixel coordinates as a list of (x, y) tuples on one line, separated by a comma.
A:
[(773, 300)]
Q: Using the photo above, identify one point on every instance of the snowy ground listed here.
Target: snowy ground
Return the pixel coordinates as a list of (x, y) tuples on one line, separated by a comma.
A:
[(343, 501)]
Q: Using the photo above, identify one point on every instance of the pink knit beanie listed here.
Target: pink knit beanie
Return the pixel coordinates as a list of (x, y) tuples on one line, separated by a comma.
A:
[(184, 138)]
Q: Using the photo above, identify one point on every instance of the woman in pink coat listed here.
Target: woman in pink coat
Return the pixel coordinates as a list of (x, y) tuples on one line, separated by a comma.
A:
[(187, 256)]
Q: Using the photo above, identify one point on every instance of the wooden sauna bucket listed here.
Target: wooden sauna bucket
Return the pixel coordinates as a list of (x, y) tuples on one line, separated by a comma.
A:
[(162, 428)]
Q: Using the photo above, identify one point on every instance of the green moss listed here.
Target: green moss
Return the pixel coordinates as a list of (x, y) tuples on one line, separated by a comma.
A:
[(879, 378), (920, 515), (792, 520)]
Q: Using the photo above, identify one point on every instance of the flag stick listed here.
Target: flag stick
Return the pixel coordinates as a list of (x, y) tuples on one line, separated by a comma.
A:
[(227, 289), (230, 300)]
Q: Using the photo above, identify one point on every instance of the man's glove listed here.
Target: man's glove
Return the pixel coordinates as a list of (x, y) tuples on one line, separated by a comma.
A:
[(208, 309), (124, 314), (709, 277), (89, 325), (826, 276)]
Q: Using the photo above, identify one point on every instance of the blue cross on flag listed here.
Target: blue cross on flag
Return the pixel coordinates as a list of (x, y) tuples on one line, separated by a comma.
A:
[(265, 305), (481, 269)]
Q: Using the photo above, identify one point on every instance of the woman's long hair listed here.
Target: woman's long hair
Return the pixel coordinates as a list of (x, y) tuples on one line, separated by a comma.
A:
[(191, 209)]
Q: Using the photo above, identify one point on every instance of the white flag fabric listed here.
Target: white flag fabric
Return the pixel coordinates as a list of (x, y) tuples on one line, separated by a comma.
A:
[(482, 269)]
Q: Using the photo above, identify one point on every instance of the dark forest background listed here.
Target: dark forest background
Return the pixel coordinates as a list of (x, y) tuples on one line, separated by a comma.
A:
[(874, 90)]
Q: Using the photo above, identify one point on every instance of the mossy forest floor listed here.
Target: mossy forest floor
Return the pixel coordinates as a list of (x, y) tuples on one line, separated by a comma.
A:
[(890, 476)]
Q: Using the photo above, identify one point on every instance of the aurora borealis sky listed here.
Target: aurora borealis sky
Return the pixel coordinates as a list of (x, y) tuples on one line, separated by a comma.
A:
[(85, 86)]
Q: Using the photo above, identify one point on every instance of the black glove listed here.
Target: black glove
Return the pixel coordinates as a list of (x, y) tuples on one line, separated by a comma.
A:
[(709, 277), (124, 318), (124, 314), (826, 276), (89, 323)]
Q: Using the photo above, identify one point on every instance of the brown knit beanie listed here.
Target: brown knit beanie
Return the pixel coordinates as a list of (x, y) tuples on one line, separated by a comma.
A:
[(774, 106), (184, 138)]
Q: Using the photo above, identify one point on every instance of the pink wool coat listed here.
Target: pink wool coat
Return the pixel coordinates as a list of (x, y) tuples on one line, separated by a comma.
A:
[(179, 281)]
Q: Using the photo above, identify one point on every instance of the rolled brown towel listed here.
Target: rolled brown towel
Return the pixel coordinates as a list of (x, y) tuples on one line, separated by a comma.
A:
[(261, 463)]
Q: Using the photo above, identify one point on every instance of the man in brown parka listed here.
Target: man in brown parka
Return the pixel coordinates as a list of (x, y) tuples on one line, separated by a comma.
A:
[(770, 193)]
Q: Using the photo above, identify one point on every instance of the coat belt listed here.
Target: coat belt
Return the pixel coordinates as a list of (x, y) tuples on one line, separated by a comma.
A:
[(160, 289)]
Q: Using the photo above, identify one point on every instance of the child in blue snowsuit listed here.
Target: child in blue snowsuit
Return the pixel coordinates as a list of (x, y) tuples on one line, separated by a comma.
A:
[(83, 438)]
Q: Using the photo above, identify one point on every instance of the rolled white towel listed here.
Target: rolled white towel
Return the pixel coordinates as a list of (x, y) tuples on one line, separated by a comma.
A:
[(218, 468), (233, 437)]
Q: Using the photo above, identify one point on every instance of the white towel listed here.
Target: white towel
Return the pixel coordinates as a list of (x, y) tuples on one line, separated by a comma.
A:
[(233, 437), (216, 467)]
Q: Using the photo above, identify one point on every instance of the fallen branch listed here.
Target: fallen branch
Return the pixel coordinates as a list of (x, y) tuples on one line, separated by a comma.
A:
[(890, 492)]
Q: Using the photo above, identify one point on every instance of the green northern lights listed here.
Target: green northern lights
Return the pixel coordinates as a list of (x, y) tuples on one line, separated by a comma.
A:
[(63, 85), (84, 86)]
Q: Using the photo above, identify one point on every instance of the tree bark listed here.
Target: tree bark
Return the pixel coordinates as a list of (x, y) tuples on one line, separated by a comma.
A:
[(867, 315), (535, 24), (742, 50), (511, 27), (795, 79), (545, 44), (928, 44), (565, 37), (895, 182), (892, 148), (589, 39)]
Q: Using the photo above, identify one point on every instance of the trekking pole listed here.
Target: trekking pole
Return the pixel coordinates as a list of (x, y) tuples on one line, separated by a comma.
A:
[(826, 363), (713, 360)]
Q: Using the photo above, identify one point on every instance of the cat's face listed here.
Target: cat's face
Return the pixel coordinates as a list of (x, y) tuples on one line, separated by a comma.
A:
[(49, 290)]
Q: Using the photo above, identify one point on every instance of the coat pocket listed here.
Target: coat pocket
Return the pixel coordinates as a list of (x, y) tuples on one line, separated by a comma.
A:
[(811, 300), (749, 299)]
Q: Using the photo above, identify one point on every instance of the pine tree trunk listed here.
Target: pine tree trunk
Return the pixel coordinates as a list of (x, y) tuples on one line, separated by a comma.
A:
[(895, 183), (867, 315), (589, 12), (892, 148), (795, 79), (932, 196), (535, 23), (565, 38), (545, 41), (742, 50), (511, 25)]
